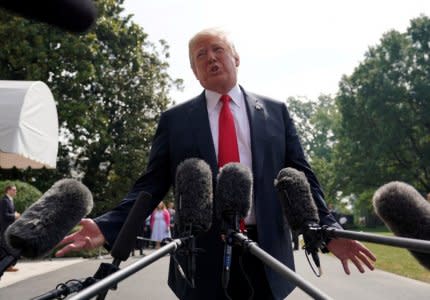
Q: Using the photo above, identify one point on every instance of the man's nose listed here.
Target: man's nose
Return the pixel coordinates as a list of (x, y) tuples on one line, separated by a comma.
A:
[(211, 56)]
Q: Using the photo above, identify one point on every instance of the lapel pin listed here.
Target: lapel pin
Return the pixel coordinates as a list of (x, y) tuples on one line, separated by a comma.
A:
[(258, 106)]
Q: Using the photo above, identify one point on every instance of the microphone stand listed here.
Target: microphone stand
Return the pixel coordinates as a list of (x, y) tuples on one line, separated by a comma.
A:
[(325, 232), (95, 287), (64, 289), (266, 258), (315, 237), (75, 285), (108, 275), (122, 274)]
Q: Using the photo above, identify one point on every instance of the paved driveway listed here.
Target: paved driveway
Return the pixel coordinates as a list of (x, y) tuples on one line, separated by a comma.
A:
[(150, 283)]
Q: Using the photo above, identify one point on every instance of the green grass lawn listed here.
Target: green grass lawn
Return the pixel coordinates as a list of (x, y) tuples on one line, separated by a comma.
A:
[(397, 260)]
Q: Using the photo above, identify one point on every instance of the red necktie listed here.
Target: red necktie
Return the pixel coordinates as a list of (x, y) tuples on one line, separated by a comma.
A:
[(228, 151)]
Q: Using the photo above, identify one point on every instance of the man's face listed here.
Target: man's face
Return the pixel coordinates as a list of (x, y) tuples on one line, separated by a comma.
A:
[(12, 191), (214, 63)]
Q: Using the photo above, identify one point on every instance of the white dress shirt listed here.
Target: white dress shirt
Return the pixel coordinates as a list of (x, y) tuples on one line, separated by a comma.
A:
[(241, 124)]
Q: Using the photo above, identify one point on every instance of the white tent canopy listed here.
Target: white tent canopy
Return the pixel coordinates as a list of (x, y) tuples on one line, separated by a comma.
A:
[(28, 125)]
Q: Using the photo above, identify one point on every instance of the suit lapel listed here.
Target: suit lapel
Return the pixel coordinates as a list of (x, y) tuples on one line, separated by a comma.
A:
[(198, 117), (257, 123)]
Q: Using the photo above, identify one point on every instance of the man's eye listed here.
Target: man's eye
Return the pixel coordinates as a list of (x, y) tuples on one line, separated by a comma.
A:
[(200, 54)]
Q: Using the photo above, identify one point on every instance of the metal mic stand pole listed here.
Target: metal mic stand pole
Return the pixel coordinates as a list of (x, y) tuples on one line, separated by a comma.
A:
[(270, 261), (122, 274), (411, 244)]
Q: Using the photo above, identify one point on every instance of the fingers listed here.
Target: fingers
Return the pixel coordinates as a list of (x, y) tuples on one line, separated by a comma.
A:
[(358, 258), (345, 266), (367, 252), (67, 249), (364, 254), (364, 259), (73, 243), (67, 240), (354, 251), (77, 245), (357, 263)]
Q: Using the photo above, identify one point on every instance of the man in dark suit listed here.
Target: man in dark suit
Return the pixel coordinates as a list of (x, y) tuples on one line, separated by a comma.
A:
[(8, 215), (266, 142)]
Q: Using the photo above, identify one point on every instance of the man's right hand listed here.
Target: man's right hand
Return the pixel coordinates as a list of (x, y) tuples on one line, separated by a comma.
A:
[(88, 237)]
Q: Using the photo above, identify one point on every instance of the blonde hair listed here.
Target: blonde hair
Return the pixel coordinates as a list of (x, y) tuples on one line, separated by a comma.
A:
[(215, 32), (163, 206)]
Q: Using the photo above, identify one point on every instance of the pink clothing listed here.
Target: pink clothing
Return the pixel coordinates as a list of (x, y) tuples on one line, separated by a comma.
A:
[(166, 216)]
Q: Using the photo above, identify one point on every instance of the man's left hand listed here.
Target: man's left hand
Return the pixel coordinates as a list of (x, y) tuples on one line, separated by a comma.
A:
[(352, 250)]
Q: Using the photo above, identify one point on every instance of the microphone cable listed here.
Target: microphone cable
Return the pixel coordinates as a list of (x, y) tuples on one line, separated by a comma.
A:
[(243, 271), (248, 280), (314, 266)]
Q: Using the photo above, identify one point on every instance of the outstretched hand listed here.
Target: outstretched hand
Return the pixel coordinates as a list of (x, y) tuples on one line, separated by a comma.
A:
[(345, 250), (88, 237)]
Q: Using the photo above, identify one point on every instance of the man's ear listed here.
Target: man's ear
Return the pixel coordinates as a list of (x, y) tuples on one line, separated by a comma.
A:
[(237, 60), (194, 70)]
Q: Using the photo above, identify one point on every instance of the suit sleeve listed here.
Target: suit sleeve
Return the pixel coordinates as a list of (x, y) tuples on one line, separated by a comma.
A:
[(295, 158), (156, 180), (7, 211)]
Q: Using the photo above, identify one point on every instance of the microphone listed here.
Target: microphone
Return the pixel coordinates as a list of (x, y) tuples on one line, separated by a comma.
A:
[(296, 199), (193, 200), (45, 223), (76, 16), (193, 197), (121, 249), (233, 194), (299, 208), (126, 239), (405, 212)]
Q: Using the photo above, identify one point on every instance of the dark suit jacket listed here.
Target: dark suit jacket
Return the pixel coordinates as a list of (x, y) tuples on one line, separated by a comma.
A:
[(7, 214), (183, 132)]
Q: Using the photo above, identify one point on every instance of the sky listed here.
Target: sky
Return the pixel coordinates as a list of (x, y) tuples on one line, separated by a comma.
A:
[(287, 48)]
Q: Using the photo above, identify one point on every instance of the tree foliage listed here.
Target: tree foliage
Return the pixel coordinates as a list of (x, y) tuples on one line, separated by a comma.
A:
[(384, 105), (110, 86), (315, 122), (376, 129)]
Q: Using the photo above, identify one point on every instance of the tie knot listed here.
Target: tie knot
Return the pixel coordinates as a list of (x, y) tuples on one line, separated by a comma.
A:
[(225, 98)]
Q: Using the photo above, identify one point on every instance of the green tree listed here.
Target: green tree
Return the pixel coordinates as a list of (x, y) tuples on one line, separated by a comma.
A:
[(110, 85), (315, 122), (384, 131)]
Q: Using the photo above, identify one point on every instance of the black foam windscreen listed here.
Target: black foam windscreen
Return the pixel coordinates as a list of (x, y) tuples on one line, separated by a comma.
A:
[(71, 15), (233, 190), (296, 199), (405, 212), (193, 197), (45, 223), (127, 236)]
